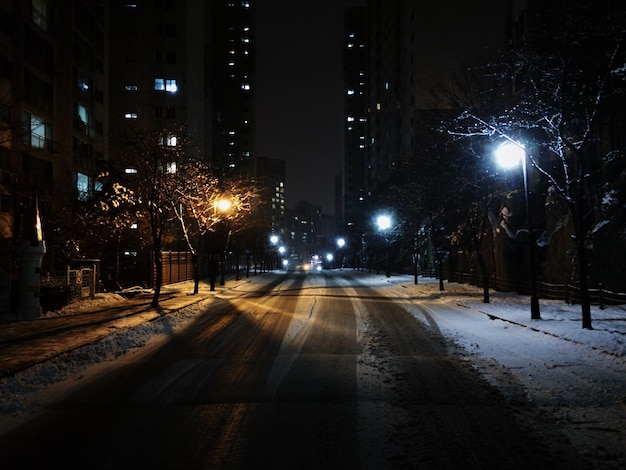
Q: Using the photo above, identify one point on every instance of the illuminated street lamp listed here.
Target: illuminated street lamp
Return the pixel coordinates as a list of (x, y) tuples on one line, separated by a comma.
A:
[(223, 206), (341, 243), (281, 251), (384, 224), (509, 155), (271, 260)]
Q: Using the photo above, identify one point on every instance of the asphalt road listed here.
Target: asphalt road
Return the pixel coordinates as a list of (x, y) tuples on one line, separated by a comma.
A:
[(303, 372)]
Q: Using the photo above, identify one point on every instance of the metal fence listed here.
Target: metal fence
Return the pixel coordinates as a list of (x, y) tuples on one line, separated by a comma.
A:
[(570, 293), (177, 267)]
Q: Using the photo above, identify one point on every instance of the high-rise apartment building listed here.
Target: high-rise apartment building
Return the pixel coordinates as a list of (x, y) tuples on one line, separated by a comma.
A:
[(53, 92), (189, 64), (413, 50), (233, 80), (53, 112), (160, 72), (269, 175), (356, 120)]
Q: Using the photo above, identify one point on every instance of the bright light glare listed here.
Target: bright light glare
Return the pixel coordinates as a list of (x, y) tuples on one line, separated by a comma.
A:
[(281, 250), (509, 155), (341, 243), (274, 239), (285, 262), (383, 222), (223, 204), (329, 256)]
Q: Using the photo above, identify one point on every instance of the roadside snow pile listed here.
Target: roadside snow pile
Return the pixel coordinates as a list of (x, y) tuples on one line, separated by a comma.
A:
[(79, 306), (17, 389)]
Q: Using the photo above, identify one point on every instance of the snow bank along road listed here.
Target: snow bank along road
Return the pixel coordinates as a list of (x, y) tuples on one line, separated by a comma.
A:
[(336, 370)]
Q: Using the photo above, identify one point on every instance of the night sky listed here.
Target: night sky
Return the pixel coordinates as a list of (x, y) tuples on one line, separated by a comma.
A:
[(300, 79), (300, 94)]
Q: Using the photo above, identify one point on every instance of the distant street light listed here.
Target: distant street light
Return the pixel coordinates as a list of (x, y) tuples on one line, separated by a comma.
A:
[(384, 223), (341, 243), (509, 155)]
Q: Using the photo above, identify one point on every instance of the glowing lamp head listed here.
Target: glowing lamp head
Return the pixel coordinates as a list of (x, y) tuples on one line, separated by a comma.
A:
[(223, 205), (509, 155), (383, 222)]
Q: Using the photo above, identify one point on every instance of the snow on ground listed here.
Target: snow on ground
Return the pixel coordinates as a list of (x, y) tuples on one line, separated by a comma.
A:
[(577, 375)]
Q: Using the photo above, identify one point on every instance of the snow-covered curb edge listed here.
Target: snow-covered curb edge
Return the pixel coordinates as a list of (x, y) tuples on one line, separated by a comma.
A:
[(18, 392)]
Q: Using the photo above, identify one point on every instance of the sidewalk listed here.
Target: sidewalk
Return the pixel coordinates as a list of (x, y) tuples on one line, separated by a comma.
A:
[(24, 343)]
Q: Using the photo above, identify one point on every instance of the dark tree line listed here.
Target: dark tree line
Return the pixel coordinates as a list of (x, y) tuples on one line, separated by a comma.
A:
[(557, 91)]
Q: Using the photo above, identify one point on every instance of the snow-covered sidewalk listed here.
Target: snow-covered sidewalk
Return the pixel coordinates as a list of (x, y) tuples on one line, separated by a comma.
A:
[(575, 376)]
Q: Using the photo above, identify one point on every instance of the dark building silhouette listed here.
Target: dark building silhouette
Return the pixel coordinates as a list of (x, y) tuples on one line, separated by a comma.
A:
[(353, 194), (53, 112)]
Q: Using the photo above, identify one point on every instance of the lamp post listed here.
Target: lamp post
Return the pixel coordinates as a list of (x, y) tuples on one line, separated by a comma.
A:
[(509, 155), (384, 223), (223, 206), (272, 255), (341, 243)]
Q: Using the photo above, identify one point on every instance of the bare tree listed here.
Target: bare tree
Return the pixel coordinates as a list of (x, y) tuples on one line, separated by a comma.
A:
[(210, 204), (146, 182), (565, 76)]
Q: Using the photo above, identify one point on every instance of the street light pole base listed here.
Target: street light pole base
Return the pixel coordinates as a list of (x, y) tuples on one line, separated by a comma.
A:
[(534, 308)]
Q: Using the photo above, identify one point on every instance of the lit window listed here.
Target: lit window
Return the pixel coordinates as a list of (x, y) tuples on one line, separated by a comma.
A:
[(40, 135), (168, 140), (130, 87), (245, 86), (350, 91), (83, 83), (231, 64), (170, 85), (245, 39), (82, 186), (130, 116), (170, 167), (378, 106), (245, 4), (350, 119), (350, 45), (162, 84), (130, 171), (231, 132), (134, 226)]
